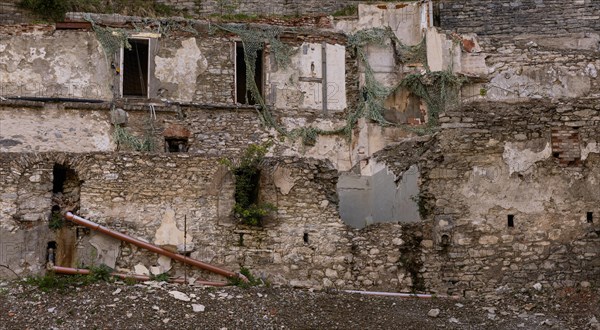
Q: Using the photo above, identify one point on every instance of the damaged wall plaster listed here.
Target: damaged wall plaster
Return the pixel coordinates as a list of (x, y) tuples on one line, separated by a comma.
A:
[(64, 64), (54, 129), (520, 156), (296, 87), (182, 70)]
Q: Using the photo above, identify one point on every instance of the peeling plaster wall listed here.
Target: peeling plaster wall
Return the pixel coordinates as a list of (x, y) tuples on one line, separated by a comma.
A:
[(184, 67), (54, 129), (57, 64), (195, 70), (405, 20), (498, 161), (290, 88)]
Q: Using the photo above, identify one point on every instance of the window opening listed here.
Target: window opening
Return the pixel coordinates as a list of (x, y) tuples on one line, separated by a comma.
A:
[(511, 220), (243, 93), (176, 145), (135, 68), (590, 217)]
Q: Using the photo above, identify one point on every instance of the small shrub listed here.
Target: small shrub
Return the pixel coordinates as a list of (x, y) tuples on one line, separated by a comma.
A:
[(101, 273), (252, 281), (56, 221), (247, 176), (160, 277), (54, 282)]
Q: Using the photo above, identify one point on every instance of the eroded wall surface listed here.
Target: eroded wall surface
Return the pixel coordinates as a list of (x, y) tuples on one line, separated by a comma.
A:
[(54, 64)]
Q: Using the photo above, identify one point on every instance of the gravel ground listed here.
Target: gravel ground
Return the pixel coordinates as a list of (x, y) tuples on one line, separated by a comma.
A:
[(154, 305)]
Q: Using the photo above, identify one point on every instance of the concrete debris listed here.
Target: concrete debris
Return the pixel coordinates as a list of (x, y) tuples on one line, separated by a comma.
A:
[(537, 286), (198, 308), (180, 295), (140, 269), (433, 312)]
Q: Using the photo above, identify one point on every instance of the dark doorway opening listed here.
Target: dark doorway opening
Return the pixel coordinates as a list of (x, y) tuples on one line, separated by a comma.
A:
[(135, 68), (60, 176), (243, 91)]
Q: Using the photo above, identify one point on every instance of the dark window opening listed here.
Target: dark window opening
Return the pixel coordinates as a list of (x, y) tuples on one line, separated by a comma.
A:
[(437, 15), (445, 241), (305, 238), (51, 252), (135, 68), (60, 176), (590, 217), (241, 240), (511, 220), (176, 145), (243, 91)]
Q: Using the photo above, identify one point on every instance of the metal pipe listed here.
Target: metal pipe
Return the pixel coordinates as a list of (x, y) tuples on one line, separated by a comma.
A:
[(392, 294), (79, 271), (115, 234)]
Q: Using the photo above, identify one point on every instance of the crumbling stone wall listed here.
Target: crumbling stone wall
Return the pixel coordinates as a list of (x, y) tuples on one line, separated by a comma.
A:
[(515, 212), (540, 67), (490, 17), (261, 7)]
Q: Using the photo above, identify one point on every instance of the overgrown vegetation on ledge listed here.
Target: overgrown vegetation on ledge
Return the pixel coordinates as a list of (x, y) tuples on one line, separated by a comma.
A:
[(246, 170), (55, 10)]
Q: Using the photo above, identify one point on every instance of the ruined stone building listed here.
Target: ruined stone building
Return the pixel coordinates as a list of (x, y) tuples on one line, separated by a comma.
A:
[(441, 146)]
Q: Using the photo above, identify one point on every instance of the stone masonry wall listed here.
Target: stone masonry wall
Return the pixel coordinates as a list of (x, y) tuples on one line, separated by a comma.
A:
[(497, 163), (262, 7), (304, 243), (492, 17)]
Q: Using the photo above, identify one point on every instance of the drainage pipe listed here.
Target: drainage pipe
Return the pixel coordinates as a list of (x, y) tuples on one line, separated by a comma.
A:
[(79, 271), (394, 294), (115, 234)]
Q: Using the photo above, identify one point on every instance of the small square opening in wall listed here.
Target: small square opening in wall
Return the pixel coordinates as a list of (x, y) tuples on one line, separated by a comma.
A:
[(511, 220), (590, 217), (176, 145)]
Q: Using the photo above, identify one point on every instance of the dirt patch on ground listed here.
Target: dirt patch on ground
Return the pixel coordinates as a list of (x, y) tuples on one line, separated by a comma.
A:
[(154, 305)]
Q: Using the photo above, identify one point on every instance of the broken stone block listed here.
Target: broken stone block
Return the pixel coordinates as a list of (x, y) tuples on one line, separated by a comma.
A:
[(140, 269)]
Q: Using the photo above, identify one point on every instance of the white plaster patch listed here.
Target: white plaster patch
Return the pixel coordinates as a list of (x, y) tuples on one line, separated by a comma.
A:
[(283, 179), (168, 233), (107, 249), (182, 69), (591, 147), (591, 71), (291, 90), (520, 160)]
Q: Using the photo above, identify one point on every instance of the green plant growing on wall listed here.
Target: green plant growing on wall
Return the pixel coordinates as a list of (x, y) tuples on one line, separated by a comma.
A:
[(252, 281), (246, 170), (56, 220), (123, 138)]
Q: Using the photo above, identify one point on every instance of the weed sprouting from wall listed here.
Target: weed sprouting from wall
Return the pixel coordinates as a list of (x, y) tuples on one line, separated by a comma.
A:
[(246, 170), (123, 138)]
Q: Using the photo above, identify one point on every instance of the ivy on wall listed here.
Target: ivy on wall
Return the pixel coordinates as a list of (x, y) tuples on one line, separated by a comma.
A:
[(248, 209)]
